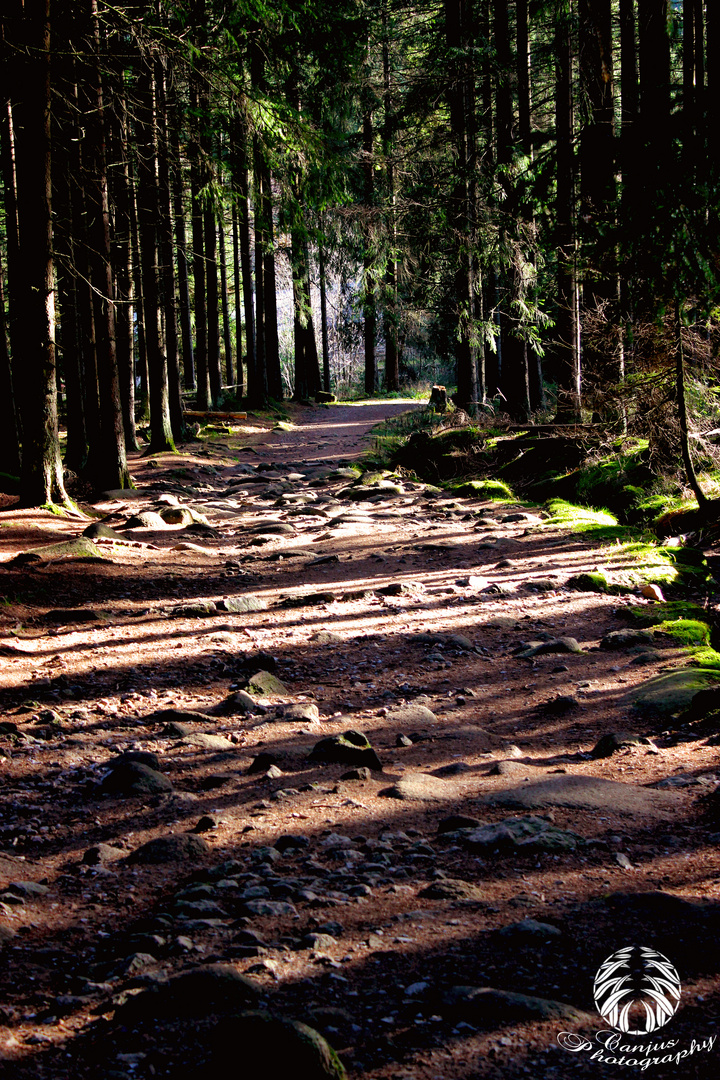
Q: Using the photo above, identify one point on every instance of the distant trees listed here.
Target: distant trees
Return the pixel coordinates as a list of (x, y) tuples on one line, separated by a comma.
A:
[(506, 192)]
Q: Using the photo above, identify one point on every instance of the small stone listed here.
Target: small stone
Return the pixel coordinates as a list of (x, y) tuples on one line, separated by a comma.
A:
[(350, 748), (205, 824), (197, 610), (457, 821), (265, 684), (134, 778), (622, 860), (361, 773), (403, 740), (420, 787), (100, 854), (206, 741), (451, 889), (240, 703), (653, 592), (530, 929), (146, 519), (486, 1004), (411, 714), (609, 744), (262, 762), (300, 711), (168, 849), (242, 604)]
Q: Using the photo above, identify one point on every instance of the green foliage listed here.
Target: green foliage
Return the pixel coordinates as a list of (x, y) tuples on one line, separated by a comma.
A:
[(599, 525)]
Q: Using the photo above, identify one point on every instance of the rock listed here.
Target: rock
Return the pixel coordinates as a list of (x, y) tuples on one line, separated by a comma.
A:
[(262, 762), (557, 645), (645, 657), (80, 548), (350, 748), (266, 685), (99, 531), (487, 1006), (541, 585), (530, 930), (146, 519), (242, 604), (451, 889), (672, 692), (327, 637), (176, 731), (290, 842), (181, 716), (206, 741), (411, 714), (133, 778), (512, 768), (609, 744), (527, 833), (594, 582), (205, 824), (100, 854), (455, 768), (273, 528), (239, 703), (275, 908), (6, 935), (585, 793), (318, 942), (28, 888), (401, 588), (203, 991), (653, 592), (420, 787), (178, 847), (182, 515), (362, 773), (273, 772), (301, 711), (403, 740), (457, 821), (74, 615), (272, 1048), (142, 757), (625, 639), (199, 609)]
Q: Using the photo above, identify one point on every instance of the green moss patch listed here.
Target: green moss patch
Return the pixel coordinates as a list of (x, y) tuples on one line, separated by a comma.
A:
[(670, 610), (484, 489), (685, 631), (672, 692), (594, 582), (596, 524)]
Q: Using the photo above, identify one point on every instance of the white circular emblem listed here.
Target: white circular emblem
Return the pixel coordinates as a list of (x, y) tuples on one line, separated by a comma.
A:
[(637, 990)]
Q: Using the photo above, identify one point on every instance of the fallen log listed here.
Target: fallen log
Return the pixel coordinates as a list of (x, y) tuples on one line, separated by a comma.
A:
[(192, 414)]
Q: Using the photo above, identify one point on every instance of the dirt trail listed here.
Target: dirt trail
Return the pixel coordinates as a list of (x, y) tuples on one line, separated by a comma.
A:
[(390, 611)]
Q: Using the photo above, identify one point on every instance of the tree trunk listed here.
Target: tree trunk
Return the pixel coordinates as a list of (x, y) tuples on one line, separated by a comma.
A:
[(108, 469), (229, 372), (9, 433), (141, 367), (272, 343), (167, 260), (369, 309), (240, 181), (392, 369), (41, 478), (122, 261), (566, 329), (198, 242), (236, 298), (161, 438), (323, 319), (182, 256), (457, 31), (258, 391), (213, 315), (682, 411)]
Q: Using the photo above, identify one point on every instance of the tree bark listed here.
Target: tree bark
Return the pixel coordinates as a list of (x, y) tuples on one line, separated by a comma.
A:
[(182, 255), (229, 372), (369, 308), (161, 438), (41, 478), (108, 467), (323, 319), (167, 259), (198, 243), (236, 298), (567, 346)]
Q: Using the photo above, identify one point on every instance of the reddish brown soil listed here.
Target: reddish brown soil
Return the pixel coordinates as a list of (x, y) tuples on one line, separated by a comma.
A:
[(103, 678)]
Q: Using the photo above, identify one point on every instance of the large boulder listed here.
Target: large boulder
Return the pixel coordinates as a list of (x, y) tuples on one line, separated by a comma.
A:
[(272, 1048)]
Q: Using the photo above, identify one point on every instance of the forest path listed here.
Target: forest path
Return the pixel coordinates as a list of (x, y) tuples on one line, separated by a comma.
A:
[(354, 898)]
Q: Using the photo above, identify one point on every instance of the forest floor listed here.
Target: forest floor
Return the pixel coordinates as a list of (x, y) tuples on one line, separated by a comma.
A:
[(373, 611)]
